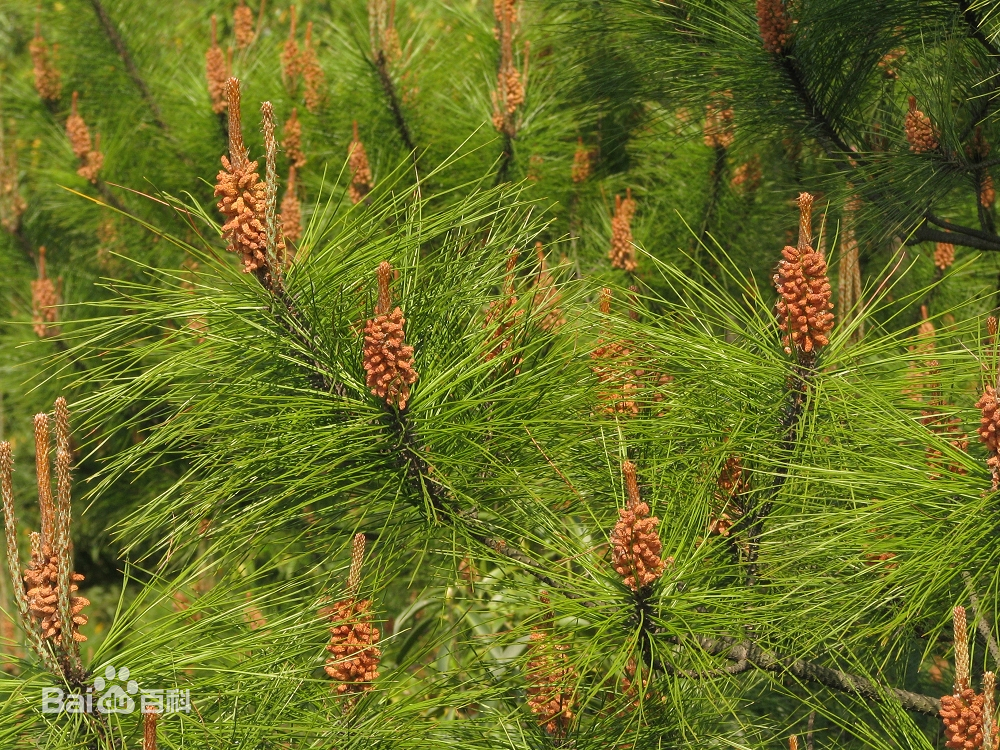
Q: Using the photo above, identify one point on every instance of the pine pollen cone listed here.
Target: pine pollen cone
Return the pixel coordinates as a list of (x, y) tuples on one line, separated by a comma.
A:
[(501, 316), (962, 715), (292, 136), (242, 195), (41, 581), (920, 133), (243, 25), (77, 131), (312, 73), (47, 77), (550, 675), (44, 301), (581, 163), (804, 309), (291, 210), (622, 253), (361, 171), (987, 193), (354, 656), (290, 67), (944, 255), (773, 21), (388, 362), (636, 546), (216, 73), (989, 431)]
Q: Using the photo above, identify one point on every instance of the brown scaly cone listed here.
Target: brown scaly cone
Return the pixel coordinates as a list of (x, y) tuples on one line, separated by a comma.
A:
[(48, 82), (622, 253), (41, 581), (291, 210), (509, 93), (545, 303), (292, 140), (501, 317), (354, 659), (719, 131), (920, 133), (388, 362), (550, 677), (989, 431), (44, 301), (987, 193), (888, 63), (804, 310), (242, 194), (774, 25), (944, 255), (361, 171), (93, 162), (635, 545), (243, 25), (313, 77), (612, 364), (216, 73), (962, 711), (581, 163), (290, 69)]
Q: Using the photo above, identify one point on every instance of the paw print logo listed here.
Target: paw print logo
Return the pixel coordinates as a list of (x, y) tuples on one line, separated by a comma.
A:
[(116, 699)]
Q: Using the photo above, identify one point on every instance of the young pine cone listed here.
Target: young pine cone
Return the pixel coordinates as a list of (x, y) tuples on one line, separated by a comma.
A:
[(388, 362), (962, 714), (41, 580), (635, 545), (622, 253), (550, 676), (773, 22), (355, 657), (920, 132), (804, 310), (944, 255)]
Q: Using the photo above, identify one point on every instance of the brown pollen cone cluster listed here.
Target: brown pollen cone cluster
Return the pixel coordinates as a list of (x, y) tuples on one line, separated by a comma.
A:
[(216, 73), (719, 131), (987, 193), (732, 483), (804, 309), (291, 210), (292, 139), (361, 171), (290, 68), (635, 545), (622, 253), (774, 25), (313, 77), (243, 25), (989, 430), (920, 133), (48, 82), (12, 205), (90, 157), (581, 163), (383, 36), (242, 194), (354, 659), (509, 93), (545, 303), (501, 316), (612, 364), (44, 301), (387, 360), (962, 711), (944, 255), (550, 677), (41, 582), (748, 175)]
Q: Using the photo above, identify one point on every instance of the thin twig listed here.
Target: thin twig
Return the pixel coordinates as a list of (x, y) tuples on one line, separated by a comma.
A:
[(982, 624)]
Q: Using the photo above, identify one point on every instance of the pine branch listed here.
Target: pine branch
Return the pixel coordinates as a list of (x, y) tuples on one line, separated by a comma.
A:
[(975, 29), (111, 31), (966, 238), (382, 68), (748, 655)]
